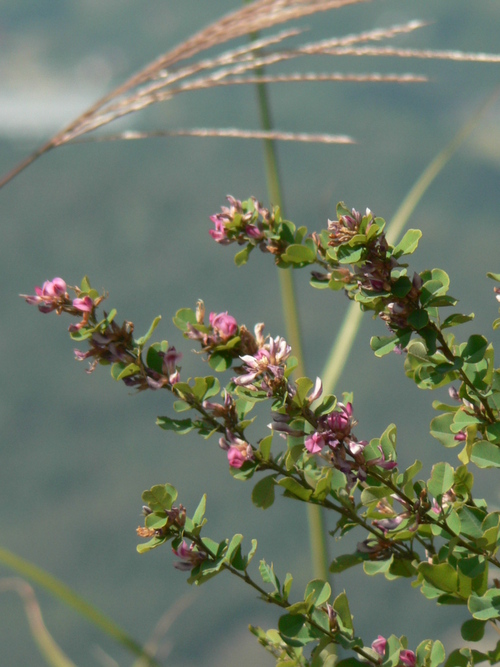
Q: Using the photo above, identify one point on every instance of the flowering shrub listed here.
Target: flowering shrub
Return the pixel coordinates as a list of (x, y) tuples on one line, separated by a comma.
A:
[(431, 531)]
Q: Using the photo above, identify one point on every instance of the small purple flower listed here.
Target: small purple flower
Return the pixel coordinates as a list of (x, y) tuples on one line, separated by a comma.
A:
[(189, 557), (85, 305), (461, 436), (224, 324), (379, 645)]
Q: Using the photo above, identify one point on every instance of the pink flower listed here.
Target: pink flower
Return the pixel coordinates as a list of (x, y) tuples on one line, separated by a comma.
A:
[(379, 645), (407, 658), (219, 234), (85, 305), (340, 421), (49, 297), (238, 451), (315, 443), (225, 325)]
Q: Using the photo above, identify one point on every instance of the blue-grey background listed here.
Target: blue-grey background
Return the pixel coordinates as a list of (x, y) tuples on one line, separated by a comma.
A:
[(78, 450)]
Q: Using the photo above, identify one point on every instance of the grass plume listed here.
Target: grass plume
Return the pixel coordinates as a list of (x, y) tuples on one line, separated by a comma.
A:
[(177, 71)]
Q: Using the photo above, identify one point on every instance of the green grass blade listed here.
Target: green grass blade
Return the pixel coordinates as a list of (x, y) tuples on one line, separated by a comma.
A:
[(68, 597)]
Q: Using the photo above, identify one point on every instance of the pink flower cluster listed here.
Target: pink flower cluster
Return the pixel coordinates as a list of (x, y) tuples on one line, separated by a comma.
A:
[(265, 369), (236, 222), (51, 296), (406, 658), (334, 431)]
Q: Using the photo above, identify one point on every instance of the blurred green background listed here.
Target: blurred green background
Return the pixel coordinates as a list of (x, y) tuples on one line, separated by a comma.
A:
[(78, 450)]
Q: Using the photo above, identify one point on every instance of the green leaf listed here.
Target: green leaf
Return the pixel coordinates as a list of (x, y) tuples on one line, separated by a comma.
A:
[(181, 406), (442, 478), (440, 429), (327, 404), (471, 519), (388, 442), (154, 356), (494, 276), (493, 433), (485, 454), (294, 488), (341, 606), (263, 492), (180, 426), (457, 658), (183, 317), (200, 510), (347, 254), (429, 291), (265, 447), (418, 319), (456, 318), (430, 654), (475, 349), (472, 630), (373, 494), (299, 254), (342, 210), (382, 345), (268, 576), (408, 243), (144, 339), (401, 287), (441, 576), (152, 544), (233, 546), (485, 607), (119, 370), (371, 568), (293, 630), (319, 591), (242, 256), (160, 497), (345, 561)]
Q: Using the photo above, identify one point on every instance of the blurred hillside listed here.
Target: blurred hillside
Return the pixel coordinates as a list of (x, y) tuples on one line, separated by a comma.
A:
[(79, 449)]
